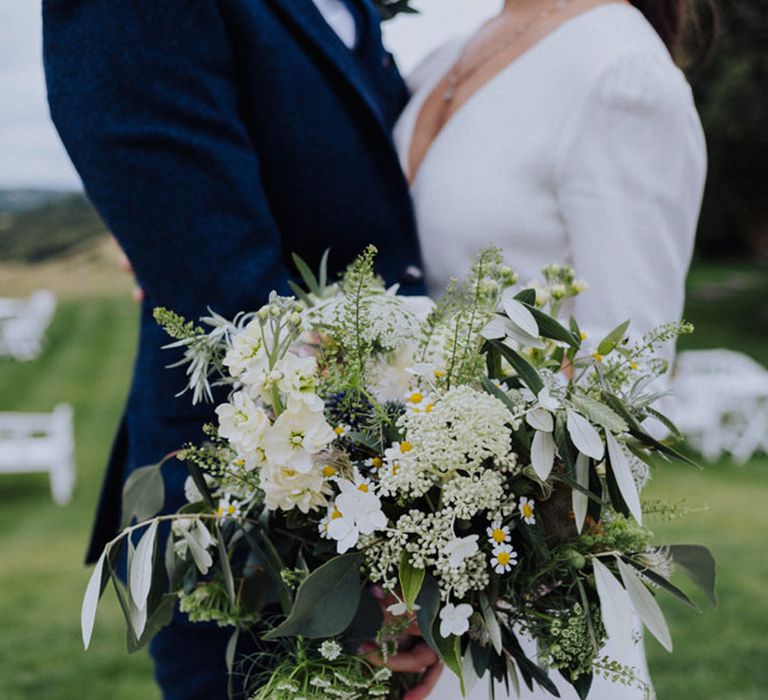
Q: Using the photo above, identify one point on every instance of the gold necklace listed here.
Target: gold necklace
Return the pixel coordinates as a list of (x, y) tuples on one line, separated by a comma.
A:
[(457, 77)]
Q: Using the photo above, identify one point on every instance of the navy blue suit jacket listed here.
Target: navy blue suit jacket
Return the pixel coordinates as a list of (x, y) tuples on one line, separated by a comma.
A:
[(215, 137)]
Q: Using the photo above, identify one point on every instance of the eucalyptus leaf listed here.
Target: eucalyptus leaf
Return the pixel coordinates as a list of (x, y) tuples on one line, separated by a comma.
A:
[(520, 316), (428, 601), (550, 328), (326, 601), (143, 494), (491, 623), (584, 435), (140, 571), (540, 419), (307, 276), (622, 472), (524, 369), (645, 605), (93, 591), (202, 558), (579, 499), (411, 580), (698, 563), (609, 343), (226, 568), (615, 606), (449, 650), (161, 617), (527, 296), (542, 454)]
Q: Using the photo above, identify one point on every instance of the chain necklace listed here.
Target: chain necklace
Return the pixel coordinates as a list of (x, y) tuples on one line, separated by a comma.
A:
[(457, 77)]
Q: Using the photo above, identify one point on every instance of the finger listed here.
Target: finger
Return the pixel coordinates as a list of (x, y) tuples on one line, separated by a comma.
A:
[(417, 660), (427, 684), (138, 295)]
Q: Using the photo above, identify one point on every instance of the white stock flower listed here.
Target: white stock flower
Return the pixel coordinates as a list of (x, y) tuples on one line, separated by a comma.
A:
[(459, 549), (286, 488), (297, 435), (191, 492), (243, 423), (246, 350), (298, 380), (454, 619)]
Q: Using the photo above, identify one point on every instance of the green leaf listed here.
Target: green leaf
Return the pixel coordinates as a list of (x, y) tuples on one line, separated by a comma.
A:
[(661, 582), (229, 580), (584, 435), (143, 494), (599, 413), (306, 275), (428, 601), (411, 580), (200, 482), (326, 601), (140, 571), (609, 343), (527, 296), (524, 369), (645, 605), (615, 605), (491, 623), (550, 328), (697, 562), (300, 293), (93, 591), (622, 472), (161, 617), (323, 281), (449, 650), (579, 498)]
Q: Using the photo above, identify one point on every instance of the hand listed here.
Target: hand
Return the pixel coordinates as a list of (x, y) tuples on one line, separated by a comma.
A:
[(419, 659), (415, 658), (125, 265)]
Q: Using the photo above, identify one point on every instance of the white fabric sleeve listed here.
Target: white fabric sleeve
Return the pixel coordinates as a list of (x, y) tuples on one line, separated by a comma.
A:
[(630, 180)]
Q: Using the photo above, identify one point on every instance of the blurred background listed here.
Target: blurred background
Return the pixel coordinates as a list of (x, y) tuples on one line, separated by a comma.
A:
[(69, 352)]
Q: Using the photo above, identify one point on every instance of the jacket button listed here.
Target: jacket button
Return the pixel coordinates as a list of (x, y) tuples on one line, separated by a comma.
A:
[(412, 275)]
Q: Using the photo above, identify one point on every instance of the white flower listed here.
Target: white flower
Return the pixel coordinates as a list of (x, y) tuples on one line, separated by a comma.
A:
[(400, 608), (185, 529), (459, 549), (540, 416), (454, 619), (503, 559), (285, 489), (191, 492), (497, 533), (244, 424), (357, 512), (330, 650), (417, 401), (228, 508), (246, 350), (526, 510), (297, 435), (342, 430), (297, 379)]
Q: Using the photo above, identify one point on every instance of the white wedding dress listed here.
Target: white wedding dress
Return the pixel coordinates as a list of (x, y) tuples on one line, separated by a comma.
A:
[(586, 150)]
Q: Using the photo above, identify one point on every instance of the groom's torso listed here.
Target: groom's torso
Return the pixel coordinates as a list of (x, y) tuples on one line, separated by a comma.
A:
[(319, 117)]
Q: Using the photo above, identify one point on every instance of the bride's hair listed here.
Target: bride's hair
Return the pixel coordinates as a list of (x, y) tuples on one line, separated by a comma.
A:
[(682, 25)]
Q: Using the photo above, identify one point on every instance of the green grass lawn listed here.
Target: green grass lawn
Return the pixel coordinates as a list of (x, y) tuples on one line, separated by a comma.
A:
[(719, 653)]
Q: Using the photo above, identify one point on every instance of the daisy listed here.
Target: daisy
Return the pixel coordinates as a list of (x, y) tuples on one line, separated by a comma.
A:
[(503, 559), (526, 510), (497, 533)]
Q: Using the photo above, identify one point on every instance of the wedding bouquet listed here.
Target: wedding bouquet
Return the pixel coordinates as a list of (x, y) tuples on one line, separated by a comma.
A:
[(474, 461)]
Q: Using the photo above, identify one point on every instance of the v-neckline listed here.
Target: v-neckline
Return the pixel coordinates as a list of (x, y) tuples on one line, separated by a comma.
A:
[(413, 174)]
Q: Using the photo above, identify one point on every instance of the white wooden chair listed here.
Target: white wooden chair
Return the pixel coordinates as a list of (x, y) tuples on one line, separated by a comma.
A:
[(722, 403), (41, 442), (23, 323)]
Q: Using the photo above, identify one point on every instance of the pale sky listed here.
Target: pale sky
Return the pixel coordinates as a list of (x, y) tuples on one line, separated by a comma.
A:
[(30, 152)]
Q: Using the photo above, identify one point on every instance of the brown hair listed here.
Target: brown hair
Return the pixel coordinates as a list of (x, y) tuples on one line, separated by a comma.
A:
[(687, 27)]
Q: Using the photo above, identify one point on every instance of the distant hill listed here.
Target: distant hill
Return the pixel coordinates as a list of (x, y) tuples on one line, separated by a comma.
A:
[(38, 225)]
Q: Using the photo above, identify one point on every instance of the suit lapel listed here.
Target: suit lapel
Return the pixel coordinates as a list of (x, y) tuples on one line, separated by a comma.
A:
[(306, 18)]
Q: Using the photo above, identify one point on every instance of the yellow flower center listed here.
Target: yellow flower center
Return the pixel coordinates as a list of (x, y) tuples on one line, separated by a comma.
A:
[(503, 558), (376, 462), (405, 447), (429, 407), (363, 487), (633, 364), (336, 514), (499, 535), (287, 471), (239, 462), (416, 397), (231, 510), (339, 430), (439, 373), (527, 510), (329, 471), (395, 468), (583, 335), (597, 356)]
